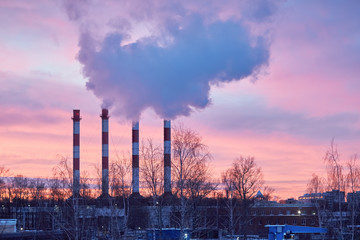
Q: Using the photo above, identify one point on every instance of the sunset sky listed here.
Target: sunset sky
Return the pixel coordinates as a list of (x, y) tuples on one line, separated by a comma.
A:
[(277, 80)]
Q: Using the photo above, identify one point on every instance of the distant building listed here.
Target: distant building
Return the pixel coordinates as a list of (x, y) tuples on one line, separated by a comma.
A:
[(310, 197), (290, 213), (354, 198), (7, 225)]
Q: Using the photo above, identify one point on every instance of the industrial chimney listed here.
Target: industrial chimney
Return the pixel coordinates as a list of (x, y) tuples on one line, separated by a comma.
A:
[(167, 157), (105, 152), (76, 152), (135, 157)]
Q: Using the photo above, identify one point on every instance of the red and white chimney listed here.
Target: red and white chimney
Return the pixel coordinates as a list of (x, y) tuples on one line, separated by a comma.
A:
[(167, 157), (135, 157), (76, 152), (105, 151)]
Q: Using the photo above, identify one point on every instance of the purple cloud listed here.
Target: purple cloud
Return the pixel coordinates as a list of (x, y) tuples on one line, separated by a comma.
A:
[(171, 79), (170, 66)]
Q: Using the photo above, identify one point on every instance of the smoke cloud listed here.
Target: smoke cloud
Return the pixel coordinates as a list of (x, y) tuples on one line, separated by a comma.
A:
[(171, 72)]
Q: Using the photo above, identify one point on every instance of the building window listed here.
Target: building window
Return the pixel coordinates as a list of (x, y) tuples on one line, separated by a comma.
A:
[(267, 221), (260, 222), (294, 222), (303, 221)]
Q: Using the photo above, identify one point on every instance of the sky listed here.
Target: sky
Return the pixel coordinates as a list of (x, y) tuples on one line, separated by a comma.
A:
[(276, 80)]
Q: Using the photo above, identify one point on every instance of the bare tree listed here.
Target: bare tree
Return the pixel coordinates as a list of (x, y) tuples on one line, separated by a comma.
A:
[(120, 176), (316, 187), (4, 173), (85, 185), (190, 173), (120, 190), (152, 175), (336, 180), (62, 185), (20, 185), (268, 193), (64, 175), (56, 192), (121, 187), (152, 165), (37, 187), (247, 180), (231, 202), (353, 182), (98, 178), (248, 177)]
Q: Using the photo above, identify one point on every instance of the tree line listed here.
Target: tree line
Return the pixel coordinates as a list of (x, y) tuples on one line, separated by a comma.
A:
[(192, 184), (343, 179), (192, 180)]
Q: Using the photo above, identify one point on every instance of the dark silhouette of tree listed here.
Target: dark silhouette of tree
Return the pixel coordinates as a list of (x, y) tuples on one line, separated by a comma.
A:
[(336, 180), (245, 179), (4, 173), (268, 192), (38, 188), (353, 182), (85, 188), (152, 164), (316, 184), (190, 174), (152, 175), (63, 174), (316, 187), (231, 202), (68, 205), (121, 189), (21, 194)]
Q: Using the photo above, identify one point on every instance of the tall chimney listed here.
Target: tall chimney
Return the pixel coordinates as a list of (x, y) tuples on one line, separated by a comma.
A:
[(105, 152), (135, 157), (167, 157), (76, 152)]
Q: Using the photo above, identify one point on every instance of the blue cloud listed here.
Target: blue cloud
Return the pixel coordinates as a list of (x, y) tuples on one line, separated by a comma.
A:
[(171, 79)]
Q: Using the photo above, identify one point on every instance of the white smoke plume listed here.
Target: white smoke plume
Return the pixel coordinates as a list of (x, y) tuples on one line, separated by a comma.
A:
[(169, 65)]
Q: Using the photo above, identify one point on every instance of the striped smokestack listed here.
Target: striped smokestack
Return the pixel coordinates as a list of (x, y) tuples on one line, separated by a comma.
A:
[(105, 152), (76, 152), (135, 157), (167, 157)]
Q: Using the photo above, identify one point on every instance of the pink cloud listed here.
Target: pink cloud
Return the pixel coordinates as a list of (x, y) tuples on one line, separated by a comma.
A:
[(314, 59)]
